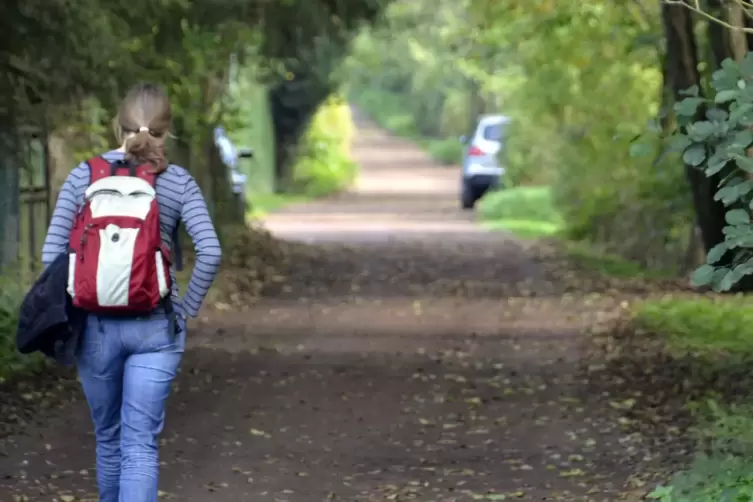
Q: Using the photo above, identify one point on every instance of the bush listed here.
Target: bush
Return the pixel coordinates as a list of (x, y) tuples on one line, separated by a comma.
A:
[(448, 151), (724, 469), (11, 361), (520, 203), (525, 211), (716, 333), (324, 165), (388, 111)]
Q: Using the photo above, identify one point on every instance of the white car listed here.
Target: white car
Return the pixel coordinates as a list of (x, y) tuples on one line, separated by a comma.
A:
[(481, 168)]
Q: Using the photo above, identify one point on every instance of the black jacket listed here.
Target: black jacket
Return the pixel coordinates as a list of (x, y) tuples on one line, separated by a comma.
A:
[(49, 323)]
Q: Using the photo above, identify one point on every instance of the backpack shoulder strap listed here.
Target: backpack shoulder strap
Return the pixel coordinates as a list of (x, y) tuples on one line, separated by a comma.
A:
[(145, 172), (99, 168)]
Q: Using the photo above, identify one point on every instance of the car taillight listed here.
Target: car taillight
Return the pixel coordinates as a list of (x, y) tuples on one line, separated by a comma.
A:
[(475, 151)]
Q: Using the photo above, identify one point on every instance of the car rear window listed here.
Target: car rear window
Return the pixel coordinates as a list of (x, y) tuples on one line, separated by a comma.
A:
[(494, 132)]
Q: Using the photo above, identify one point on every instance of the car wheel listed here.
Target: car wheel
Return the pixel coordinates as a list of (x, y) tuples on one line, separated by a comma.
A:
[(467, 197)]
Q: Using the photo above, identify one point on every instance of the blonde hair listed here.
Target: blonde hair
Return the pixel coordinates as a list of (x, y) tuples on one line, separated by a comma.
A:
[(143, 124)]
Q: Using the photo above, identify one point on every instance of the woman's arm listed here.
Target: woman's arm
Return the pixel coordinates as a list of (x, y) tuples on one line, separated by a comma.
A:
[(59, 231), (195, 217)]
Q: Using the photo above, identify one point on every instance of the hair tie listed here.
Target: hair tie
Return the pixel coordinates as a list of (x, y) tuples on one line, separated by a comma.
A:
[(143, 129)]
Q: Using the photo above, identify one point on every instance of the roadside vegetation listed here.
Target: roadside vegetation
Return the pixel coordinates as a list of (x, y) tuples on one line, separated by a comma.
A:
[(633, 160)]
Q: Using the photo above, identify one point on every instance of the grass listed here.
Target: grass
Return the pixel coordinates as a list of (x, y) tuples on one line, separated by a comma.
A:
[(723, 468), (716, 332), (262, 204), (12, 363), (446, 152), (529, 212), (524, 229), (526, 212), (701, 325), (585, 256)]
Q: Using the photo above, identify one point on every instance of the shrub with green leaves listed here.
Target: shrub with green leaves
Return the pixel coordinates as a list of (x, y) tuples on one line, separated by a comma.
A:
[(723, 472), (324, 165), (715, 135), (528, 212), (11, 361), (447, 152)]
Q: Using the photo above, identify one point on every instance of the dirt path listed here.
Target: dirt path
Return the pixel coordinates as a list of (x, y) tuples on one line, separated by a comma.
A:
[(412, 356)]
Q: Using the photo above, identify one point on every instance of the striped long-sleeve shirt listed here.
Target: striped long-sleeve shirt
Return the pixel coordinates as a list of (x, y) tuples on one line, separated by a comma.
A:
[(179, 198)]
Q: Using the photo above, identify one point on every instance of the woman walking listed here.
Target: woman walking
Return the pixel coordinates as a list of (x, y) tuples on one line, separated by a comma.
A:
[(115, 215)]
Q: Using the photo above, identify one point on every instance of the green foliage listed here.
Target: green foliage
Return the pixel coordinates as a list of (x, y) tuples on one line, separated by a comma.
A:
[(531, 203), (528, 212), (715, 135), (11, 361), (724, 471), (574, 116), (323, 165), (249, 124), (261, 204), (412, 81), (585, 257), (388, 110), (446, 151), (701, 325), (579, 82), (717, 332)]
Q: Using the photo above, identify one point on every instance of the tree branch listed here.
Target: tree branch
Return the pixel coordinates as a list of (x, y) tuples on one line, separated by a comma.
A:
[(695, 6)]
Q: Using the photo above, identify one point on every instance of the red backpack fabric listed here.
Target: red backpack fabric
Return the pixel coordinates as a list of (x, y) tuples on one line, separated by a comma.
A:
[(118, 263)]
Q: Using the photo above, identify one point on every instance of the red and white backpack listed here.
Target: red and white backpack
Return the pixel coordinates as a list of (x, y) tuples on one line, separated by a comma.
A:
[(118, 263)]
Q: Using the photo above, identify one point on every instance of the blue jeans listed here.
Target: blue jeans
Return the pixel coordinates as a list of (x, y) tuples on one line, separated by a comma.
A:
[(126, 368)]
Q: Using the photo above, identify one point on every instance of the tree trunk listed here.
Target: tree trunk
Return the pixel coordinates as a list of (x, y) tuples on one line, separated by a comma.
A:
[(683, 72), (749, 36), (226, 201), (666, 98), (694, 252), (293, 104), (738, 41), (719, 38)]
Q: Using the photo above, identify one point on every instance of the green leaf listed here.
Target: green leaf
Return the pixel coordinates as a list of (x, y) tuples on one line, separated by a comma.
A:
[(732, 193), (729, 280), (737, 217), (716, 163), (717, 115), (730, 68), (678, 143), (688, 107), (641, 150), (703, 275), (743, 139), (733, 276), (740, 111), (744, 162), (694, 155), (701, 131), (690, 91), (727, 76), (726, 95), (746, 66), (716, 253)]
